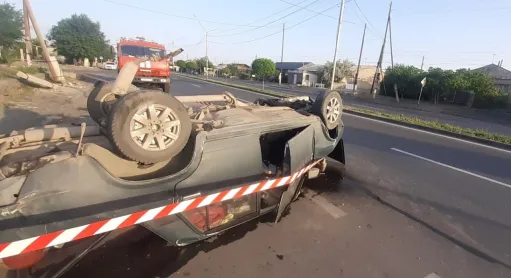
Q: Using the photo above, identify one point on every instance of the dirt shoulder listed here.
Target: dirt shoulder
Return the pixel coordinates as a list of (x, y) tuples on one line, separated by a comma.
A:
[(23, 106)]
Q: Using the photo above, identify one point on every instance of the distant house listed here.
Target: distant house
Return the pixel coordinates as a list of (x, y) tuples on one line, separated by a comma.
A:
[(300, 73), (501, 76), (240, 67)]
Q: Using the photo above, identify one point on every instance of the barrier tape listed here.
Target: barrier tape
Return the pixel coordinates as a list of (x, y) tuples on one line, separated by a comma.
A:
[(48, 240)]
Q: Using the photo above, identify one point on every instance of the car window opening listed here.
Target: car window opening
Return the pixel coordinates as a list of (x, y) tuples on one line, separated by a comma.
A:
[(273, 148)]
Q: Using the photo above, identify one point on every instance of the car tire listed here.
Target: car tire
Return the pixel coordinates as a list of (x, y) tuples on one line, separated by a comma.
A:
[(141, 137), (100, 99), (328, 106), (166, 87)]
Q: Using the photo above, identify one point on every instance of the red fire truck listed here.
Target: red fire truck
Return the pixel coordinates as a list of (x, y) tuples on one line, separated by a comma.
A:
[(154, 73)]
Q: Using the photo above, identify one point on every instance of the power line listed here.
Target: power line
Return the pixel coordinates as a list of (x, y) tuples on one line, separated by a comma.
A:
[(179, 16), (367, 20), (278, 32), (296, 5), (333, 17), (256, 28), (261, 19)]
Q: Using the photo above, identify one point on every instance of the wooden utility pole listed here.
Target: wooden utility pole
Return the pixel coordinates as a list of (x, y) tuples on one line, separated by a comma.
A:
[(28, 37), (422, 64), (378, 66), (52, 65), (359, 59)]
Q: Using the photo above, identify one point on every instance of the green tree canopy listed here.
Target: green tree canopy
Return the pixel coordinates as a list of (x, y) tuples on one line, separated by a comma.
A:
[(181, 63), (343, 69), (233, 69), (201, 63), (444, 83), (263, 67), (11, 24), (79, 37), (192, 65)]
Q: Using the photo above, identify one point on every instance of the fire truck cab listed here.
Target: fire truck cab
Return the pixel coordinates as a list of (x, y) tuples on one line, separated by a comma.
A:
[(153, 73)]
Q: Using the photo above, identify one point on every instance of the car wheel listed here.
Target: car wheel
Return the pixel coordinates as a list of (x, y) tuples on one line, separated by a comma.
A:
[(100, 99), (166, 88), (328, 106), (149, 126)]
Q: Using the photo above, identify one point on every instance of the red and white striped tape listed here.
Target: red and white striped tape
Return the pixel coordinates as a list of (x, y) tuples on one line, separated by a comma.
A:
[(47, 240)]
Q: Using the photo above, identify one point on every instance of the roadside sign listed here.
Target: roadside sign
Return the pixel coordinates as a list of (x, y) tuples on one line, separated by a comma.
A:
[(423, 82)]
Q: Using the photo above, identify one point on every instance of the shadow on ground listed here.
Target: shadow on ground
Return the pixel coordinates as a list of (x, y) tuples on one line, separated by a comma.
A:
[(18, 119)]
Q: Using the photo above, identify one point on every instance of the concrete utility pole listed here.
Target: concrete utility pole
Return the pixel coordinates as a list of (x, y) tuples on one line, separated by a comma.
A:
[(422, 64), (282, 53), (28, 37), (52, 63), (359, 59), (379, 65), (390, 38), (207, 59), (339, 26)]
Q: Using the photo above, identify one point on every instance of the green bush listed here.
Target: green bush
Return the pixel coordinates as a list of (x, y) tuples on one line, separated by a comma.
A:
[(244, 76), (32, 70), (443, 83)]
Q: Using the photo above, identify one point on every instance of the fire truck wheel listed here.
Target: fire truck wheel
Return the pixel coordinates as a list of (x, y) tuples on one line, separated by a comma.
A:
[(166, 87), (100, 99), (328, 106), (149, 126)]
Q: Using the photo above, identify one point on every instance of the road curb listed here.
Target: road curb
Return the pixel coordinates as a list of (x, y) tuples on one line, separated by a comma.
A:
[(433, 130)]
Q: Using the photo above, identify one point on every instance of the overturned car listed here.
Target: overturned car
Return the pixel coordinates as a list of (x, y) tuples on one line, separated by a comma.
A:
[(184, 170)]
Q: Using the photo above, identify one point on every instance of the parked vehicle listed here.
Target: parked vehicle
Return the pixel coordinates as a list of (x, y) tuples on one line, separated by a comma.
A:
[(110, 66), (182, 169), (152, 73)]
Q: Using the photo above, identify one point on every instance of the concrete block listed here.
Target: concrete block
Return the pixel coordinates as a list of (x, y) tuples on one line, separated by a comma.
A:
[(34, 80)]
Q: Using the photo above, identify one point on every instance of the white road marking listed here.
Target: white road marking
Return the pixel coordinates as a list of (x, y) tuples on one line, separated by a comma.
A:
[(432, 133), (198, 86), (242, 100), (255, 93), (432, 275), (453, 168), (374, 120), (326, 205)]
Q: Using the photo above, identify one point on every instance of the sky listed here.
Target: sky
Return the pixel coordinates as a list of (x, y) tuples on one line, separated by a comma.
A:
[(448, 33)]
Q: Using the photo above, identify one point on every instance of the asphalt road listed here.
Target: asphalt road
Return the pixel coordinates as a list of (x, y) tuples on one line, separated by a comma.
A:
[(413, 204), (460, 189), (425, 115)]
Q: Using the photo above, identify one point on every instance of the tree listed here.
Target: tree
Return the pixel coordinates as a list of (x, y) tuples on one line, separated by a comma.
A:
[(263, 68), (343, 69), (225, 71), (407, 79), (181, 64), (192, 65), (233, 69), (202, 63), (11, 22), (79, 37)]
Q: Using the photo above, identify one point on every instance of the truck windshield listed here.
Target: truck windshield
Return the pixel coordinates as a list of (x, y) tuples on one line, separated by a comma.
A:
[(140, 51)]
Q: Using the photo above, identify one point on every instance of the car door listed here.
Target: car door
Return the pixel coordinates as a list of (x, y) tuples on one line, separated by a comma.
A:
[(298, 153)]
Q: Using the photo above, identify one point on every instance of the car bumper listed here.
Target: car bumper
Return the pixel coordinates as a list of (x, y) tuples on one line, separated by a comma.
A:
[(156, 80)]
